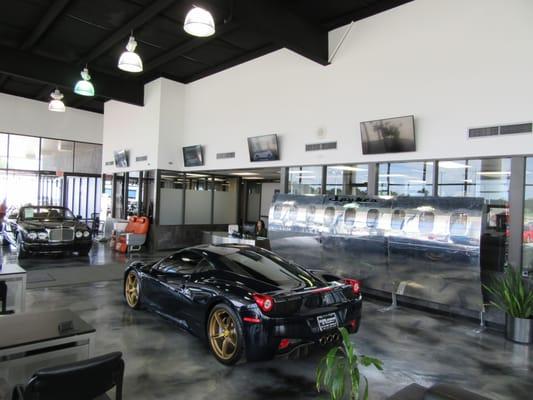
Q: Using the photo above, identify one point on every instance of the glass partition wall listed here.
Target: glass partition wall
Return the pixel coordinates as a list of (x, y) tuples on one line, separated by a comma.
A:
[(43, 170)]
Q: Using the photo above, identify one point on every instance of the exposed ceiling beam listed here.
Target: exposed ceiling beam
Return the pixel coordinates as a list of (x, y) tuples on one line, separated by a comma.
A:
[(64, 75), (45, 22), (140, 19), (189, 45), (289, 30), (365, 12)]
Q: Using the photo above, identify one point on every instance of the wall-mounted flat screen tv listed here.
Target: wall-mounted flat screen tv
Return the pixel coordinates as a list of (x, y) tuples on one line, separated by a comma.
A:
[(263, 148), (392, 135), (193, 156), (121, 158)]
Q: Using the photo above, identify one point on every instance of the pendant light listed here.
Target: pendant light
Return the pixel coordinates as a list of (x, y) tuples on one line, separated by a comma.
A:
[(129, 60), (199, 22), (84, 87), (56, 104)]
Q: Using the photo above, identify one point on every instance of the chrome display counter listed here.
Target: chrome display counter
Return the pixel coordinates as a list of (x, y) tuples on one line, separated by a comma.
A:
[(426, 248), (224, 237)]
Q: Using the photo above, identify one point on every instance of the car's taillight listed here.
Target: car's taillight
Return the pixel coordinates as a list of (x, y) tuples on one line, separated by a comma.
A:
[(264, 301), (354, 283)]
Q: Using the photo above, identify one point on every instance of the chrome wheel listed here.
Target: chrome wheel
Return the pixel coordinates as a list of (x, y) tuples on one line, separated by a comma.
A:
[(131, 290), (223, 335)]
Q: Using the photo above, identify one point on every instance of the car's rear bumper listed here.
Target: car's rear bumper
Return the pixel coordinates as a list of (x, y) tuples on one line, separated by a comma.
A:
[(263, 335)]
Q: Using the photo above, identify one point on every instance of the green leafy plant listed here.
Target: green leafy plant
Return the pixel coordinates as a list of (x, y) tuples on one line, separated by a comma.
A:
[(338, 370), (512, 294)]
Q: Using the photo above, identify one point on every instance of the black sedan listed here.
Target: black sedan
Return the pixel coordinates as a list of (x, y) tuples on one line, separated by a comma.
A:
[(244, 300), (47, 229)]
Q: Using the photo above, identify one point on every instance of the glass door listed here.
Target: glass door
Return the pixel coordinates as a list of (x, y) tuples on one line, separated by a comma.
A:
[(83, 195)]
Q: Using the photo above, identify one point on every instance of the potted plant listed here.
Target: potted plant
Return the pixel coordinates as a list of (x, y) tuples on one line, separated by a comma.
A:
[(339, 370), (512, 294)]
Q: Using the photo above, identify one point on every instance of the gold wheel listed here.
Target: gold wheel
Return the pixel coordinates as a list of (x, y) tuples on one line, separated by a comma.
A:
[(223, 334), (131, 290)]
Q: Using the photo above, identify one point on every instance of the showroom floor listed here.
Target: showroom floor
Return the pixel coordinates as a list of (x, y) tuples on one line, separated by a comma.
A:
[(163, 362)]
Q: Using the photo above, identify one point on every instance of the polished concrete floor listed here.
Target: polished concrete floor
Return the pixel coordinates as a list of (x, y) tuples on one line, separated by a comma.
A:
[(164, 362)]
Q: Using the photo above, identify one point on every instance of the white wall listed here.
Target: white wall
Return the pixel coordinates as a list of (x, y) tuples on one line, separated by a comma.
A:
[(267, 192), (133, 128), (171, 125), (453, 64), (31, 117)]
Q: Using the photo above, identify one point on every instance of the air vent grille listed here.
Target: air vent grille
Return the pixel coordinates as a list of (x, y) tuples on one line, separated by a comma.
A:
[(480, 132), (225, 155), (141, 158), (500, 130), (516, 128), (109, 163), (321, 146)]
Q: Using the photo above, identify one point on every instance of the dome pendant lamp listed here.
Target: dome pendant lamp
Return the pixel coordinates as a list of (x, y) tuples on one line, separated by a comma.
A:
[(56, 104), (129, 60), (84, 87), (199, 22)]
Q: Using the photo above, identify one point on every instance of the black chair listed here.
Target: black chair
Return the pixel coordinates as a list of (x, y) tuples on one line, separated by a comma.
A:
[(82, 380)]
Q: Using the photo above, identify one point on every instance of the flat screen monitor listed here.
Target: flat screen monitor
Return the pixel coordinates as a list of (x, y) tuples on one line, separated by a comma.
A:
[(121, 158), (263, 148), (193, 156), (392, 135)]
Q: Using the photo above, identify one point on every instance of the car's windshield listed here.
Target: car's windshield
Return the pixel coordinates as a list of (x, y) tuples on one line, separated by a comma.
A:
[(267, 267), (45, 214)]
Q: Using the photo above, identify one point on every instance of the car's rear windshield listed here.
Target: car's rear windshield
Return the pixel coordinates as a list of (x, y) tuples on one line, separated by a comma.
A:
[(267, 267), (46, 214)]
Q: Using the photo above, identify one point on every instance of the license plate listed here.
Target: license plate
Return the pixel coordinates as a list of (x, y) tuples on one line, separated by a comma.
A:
[(326, 322)]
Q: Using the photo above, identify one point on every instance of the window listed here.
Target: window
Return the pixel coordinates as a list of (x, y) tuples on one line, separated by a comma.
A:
[(310, 214), (23, 152), (372, 217), (305, 180), (347, 179), (3, 150), (426, 221), (487, 178), (527, 235), (349, 216), (88, 158), (278, 208), (458, 224), (182, 263), (406, 179), (57, 155), (329, 215), (397, 220)]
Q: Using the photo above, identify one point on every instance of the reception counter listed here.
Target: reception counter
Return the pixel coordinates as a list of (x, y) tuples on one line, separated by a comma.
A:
[(224, 238)]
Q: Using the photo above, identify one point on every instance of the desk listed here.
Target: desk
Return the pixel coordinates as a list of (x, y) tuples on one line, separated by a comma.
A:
[(32, 341), (12, 288)]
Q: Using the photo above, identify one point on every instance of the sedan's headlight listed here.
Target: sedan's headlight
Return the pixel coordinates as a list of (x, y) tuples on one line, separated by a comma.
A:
[(86, 234), (32, 236), (42, 235), (79, 234)]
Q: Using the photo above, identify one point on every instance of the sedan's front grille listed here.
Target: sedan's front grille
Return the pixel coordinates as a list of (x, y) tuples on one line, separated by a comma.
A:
[(61, 235)]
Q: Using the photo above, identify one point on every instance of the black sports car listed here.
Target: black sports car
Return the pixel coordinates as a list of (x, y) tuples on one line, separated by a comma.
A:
[(47, 229), (245, 300)]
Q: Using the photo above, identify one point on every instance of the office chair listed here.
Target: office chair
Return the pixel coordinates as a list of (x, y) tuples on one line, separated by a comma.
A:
[(82, 380)]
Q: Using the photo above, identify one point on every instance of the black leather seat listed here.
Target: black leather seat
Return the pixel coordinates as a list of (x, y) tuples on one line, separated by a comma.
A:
[(82, 380)]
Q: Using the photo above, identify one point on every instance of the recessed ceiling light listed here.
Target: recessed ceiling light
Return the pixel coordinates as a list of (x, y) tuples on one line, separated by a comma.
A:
[(244, 173)]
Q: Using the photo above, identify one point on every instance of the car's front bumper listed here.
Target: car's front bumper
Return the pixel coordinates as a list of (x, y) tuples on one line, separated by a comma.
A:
[(264, 334), (58, 247)]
